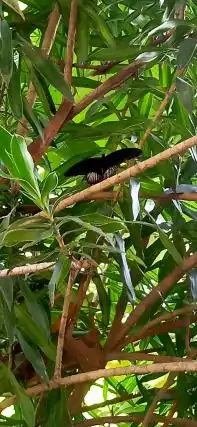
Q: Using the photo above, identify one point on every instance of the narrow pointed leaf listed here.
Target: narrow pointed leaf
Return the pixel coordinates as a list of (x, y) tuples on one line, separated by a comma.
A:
[(6, 55)]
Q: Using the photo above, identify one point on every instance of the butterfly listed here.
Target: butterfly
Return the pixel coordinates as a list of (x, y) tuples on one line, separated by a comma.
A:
[(96, 169)]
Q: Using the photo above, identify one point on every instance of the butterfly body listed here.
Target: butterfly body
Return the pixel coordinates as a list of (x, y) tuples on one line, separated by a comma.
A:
[(96, 169)]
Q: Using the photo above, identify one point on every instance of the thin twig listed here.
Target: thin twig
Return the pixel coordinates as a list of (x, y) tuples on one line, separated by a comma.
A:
[(167, 422), (162, 107), (60, 345), (70, 42), (60, 241), (119, 399)]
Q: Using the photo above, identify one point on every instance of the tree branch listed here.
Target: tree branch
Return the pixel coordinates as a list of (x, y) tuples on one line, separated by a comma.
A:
[(26, 269), (185, 366)]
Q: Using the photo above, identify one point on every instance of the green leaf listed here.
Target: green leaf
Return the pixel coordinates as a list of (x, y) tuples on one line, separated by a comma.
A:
[(82, 36), (33, 332), (49, 184), (14, 93), (27, 408), (31, 118), (115, 53), (170, 247), (16, 237), (42, 91), (33, 355), (5, 149), (46, 68), (23, 162), (186, 93), (37, 222), (145, 105), (107, 224), (58, 278), (6, 304), (93, 12), (186, 52), (34, 308), (24, 401), (55, 409), (6, 55), (104, 130)]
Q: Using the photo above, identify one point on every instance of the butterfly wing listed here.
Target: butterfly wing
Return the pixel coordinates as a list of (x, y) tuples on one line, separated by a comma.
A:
[(119, 156), (84, 167), (103, 167)]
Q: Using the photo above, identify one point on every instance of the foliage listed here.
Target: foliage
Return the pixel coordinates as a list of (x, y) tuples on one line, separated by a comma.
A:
[(124, 260)]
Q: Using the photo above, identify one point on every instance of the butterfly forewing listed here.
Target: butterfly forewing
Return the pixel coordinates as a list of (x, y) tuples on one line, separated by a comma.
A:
[(85, 166)]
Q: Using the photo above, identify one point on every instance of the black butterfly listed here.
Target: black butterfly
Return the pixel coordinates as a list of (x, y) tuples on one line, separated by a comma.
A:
[(96, 169)]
